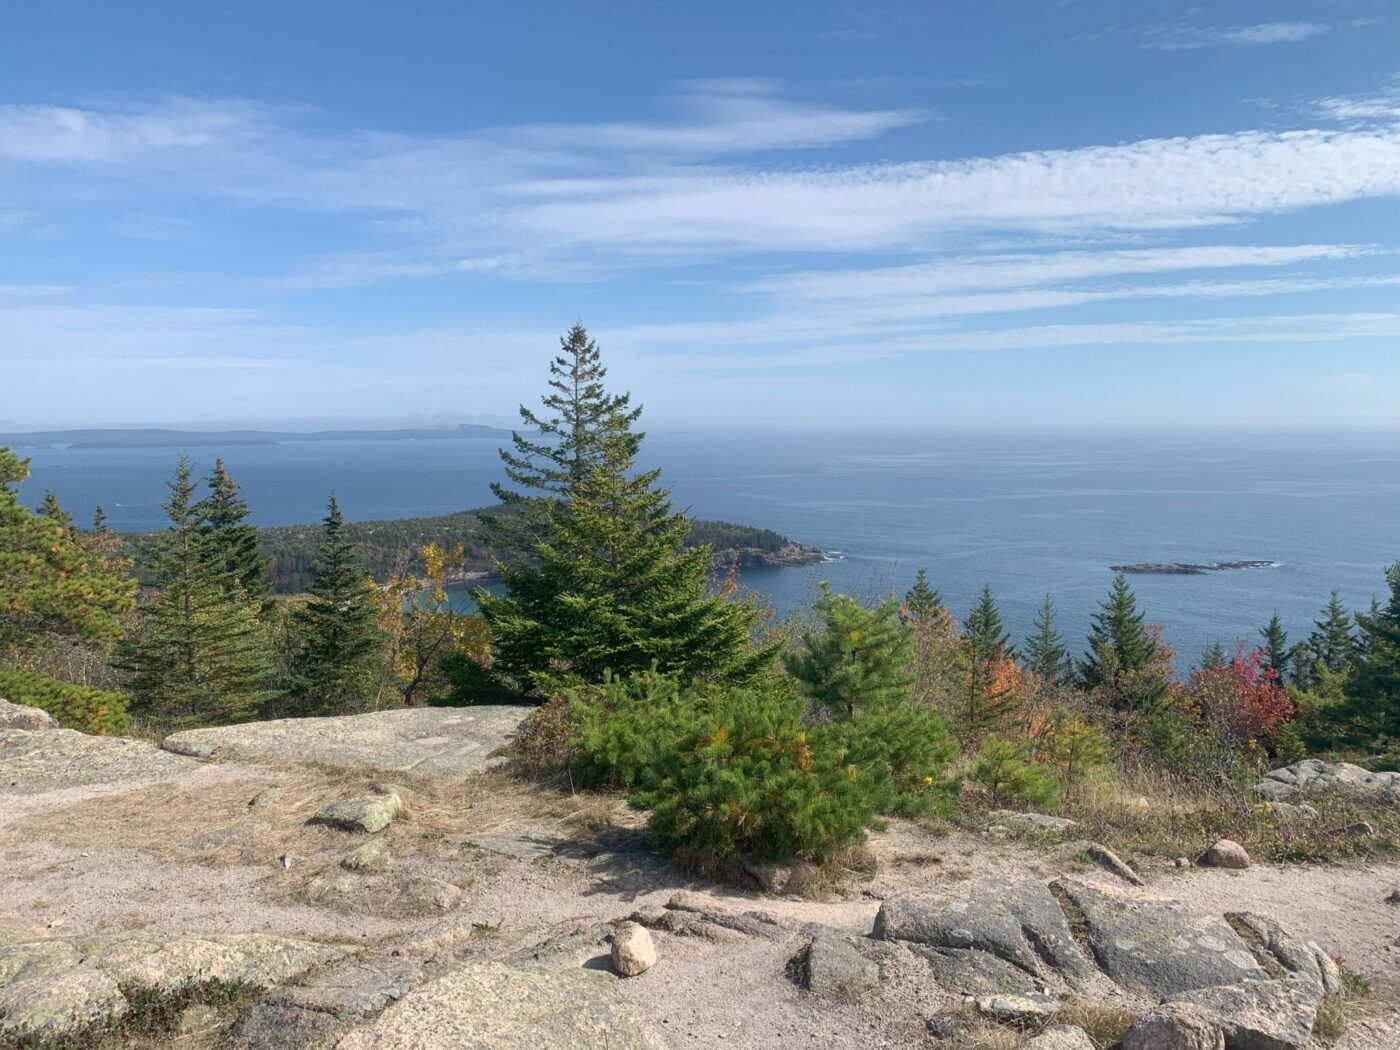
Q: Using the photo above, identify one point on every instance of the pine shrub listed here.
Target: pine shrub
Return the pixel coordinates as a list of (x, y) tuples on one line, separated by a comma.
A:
[(74, 706), (1004, 768), (745, 776)]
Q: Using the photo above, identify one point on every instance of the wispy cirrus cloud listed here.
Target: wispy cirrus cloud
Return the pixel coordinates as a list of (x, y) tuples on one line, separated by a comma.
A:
[(1186, 37)]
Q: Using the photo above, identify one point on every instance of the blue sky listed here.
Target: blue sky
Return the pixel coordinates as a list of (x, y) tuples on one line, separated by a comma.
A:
[(794, 214)]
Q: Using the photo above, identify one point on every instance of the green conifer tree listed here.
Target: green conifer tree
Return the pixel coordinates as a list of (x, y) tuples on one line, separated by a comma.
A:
[(1369, 717), (1276, 654), (51, 582), (1332, 642), (923, 605), (985, 635), (856, 657), (231, 542), (1213, 658), (201, 656), (986, 701), (1045, 654), (340, 664), (1122, 654), (599, 579)]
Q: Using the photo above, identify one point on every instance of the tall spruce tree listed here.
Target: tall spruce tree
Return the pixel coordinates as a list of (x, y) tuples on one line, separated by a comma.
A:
[(230, 541), (1369, 718), (340, 664), (201, 656), (1044, 653), (987, 700), (598, 578), (856, 657), (1331, 642), (923, 605), (1276, 653), (985, 636), (1121, 659)]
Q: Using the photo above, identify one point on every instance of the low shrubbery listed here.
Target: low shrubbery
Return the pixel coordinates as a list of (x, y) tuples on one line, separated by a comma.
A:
[(74, 706), (731, 770)]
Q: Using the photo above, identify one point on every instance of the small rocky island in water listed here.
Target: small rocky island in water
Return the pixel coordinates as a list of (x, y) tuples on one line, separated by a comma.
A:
[(1178, 568)]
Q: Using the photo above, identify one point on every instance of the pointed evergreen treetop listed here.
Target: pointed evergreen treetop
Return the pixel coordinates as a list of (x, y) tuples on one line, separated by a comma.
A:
[(1122, 653), (856, 656), (338, 666), (202, 657), (601, 580), (231, 543), (1332, 642), (565, 441), (922, 603), (984, 631), (1045, 653), (1276, 654)]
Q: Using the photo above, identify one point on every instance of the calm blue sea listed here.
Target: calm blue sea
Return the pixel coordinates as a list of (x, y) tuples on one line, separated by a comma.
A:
[(1027, 514)]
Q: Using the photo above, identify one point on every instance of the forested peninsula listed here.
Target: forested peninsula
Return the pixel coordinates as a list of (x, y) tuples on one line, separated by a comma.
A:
[(389, 545)]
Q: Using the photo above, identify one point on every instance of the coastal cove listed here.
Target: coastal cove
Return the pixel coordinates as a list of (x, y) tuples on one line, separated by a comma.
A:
[(1025, 513)]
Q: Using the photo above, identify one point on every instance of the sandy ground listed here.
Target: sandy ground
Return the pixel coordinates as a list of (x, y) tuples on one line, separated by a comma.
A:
[(94, 860)]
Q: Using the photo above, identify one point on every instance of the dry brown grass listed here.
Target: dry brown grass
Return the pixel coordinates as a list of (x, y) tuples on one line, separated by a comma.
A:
[(1103, 1024), (163, 819), (1157, 814)]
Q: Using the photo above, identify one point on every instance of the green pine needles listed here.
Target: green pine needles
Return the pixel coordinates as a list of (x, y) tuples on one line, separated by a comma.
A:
[(340, 664), (600, 580), (200, 655)]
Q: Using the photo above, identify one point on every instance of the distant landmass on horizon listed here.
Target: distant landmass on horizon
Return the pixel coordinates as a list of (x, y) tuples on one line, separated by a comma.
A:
[(159, 438)]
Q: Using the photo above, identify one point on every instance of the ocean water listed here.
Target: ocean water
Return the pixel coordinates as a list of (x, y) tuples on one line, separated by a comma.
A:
[(1026, 514)]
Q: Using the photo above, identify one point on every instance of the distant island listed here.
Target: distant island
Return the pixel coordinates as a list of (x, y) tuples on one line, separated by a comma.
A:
[(1177, 568), (384, 546), (154, 438)]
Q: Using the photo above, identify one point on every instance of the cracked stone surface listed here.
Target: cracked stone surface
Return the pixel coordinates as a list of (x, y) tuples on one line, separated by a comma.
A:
[(1260, 1015), (494, 1005), (1160, 947), (430, 741), (35, 762), (55, 988), (1019, 922)]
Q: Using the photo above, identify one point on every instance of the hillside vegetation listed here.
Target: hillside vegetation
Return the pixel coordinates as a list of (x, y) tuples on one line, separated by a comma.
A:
[(383, 546)]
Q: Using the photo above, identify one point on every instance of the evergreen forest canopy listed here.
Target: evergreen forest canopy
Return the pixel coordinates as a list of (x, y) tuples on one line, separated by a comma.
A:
[(738, 735)]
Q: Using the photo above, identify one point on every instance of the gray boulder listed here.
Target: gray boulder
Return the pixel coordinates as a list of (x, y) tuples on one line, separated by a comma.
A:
[(1031, 824), (1260, 1015), (1302, 959), (1313, 775), (833, 964), (1159, 947), (1226, 853), (1112, 863), (1174, 1026), (18, 716), (369, 815), (493, 1005), (1018, 1009), (1019, 922), (370, 857), (633, 951)]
